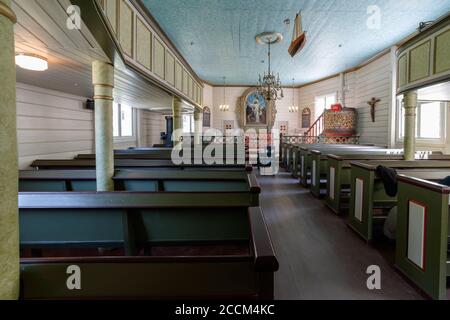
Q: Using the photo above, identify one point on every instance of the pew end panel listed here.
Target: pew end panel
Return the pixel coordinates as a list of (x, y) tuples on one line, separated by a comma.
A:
[(336, 178), (360, 216), (422, 234)]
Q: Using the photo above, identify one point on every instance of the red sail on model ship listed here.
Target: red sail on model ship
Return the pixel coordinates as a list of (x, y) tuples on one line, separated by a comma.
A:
[(298, 38)]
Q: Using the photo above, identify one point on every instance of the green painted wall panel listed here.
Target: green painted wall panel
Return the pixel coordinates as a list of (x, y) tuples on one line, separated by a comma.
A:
[(158, 67), (170, 68), (442, 52), (178, 76), (126, 26), (402, 70), (143, 44), (111, 13), (419, 63)]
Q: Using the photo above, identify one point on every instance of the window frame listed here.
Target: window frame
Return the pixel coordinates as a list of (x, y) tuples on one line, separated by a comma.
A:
[(191, 123), (120, 137), (324, 96), (421, 140)]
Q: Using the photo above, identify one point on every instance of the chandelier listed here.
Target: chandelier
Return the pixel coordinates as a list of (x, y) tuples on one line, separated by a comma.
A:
[(269, 86)]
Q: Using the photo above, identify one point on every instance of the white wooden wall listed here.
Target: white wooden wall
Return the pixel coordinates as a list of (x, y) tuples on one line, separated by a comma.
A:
[(154, 123), (54, 125), (373, 80), (307, 94), (51, 124)]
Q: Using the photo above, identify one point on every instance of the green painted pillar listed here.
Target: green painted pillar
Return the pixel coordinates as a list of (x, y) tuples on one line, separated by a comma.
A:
[(9, 224), (198, 127), (177, 109), (103, 81), (410, 104)]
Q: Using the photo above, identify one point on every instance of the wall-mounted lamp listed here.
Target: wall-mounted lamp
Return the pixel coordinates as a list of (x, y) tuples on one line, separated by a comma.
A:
[(31, 62)]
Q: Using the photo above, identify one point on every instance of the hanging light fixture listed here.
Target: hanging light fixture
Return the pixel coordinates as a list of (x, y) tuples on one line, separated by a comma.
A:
[(31, 62), (224, 107), (293, 108), (269, 86)]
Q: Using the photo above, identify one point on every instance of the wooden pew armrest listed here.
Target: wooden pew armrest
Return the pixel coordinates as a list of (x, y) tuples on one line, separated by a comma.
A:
[(265, 259), (424, 184), (253, 184)]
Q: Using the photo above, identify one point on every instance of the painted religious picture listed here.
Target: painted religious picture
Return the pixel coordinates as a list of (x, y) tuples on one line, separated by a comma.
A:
[(255, 109)]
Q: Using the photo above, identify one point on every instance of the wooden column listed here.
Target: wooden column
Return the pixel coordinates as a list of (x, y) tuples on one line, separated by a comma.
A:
[(410, 104), (177, 109), (198, 126), (103, 81), (9, 225)]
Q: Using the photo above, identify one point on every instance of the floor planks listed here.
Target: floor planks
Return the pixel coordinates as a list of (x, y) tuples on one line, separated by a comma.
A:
[(320, 257)]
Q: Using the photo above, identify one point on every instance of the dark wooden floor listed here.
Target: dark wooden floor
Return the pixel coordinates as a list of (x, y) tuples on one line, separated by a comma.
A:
[(320, 257)]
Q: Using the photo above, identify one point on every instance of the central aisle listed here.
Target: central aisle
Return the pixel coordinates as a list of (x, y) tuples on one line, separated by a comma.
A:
[(319, 256)]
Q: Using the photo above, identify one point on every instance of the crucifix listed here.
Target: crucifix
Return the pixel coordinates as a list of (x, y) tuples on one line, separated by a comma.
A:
[(372, 103)]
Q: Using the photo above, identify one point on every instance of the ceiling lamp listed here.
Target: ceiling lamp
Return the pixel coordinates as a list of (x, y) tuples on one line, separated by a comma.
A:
[(31, 62), (293, 108), (224, 107), (269, 86)]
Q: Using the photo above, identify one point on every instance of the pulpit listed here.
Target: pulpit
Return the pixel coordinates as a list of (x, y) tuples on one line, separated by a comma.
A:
[(340, 122)]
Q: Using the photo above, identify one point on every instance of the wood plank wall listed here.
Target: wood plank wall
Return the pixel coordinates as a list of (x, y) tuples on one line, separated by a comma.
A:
[(51, 124), (54, 125), (373, 80)]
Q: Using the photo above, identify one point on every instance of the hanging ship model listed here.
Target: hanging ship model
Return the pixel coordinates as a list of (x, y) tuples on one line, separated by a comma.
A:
[(298, 37)]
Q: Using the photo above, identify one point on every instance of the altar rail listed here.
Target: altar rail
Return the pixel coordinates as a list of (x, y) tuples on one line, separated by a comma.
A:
[(320, 139)]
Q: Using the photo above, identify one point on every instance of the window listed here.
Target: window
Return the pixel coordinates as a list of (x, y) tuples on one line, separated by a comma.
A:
[(306, 118), (188, 123), (430, 120), (122, 120), (324, 102)]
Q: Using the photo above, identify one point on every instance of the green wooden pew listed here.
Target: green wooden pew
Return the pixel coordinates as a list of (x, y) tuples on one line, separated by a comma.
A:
[(292, 157), (339, 175), (166, 153), (369, 202), (306, 163), (144, 246), (321, 170), (235, 182), (144, 164), (422, 248)]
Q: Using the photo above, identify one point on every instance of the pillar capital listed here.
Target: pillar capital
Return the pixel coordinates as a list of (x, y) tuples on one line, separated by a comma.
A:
[(6, 11), (197, 114), (410, 99)]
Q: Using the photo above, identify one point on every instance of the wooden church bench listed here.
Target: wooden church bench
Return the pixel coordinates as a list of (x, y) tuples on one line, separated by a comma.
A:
[(291, 158), (306, 161), (369, 202), (422, 248), (339, 175), (169, 245), (232, 182), (133, 164)]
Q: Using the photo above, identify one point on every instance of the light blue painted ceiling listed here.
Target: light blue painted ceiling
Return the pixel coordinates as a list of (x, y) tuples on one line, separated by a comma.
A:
[(217, 37)]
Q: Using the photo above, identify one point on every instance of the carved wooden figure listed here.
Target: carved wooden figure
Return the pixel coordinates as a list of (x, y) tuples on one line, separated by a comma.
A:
[(372, 103)]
